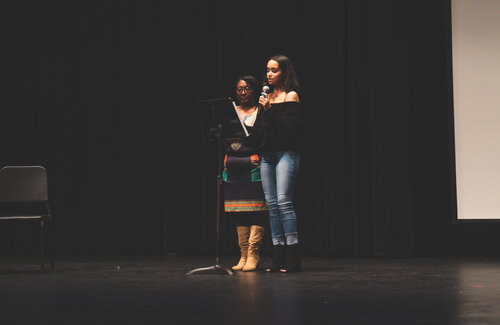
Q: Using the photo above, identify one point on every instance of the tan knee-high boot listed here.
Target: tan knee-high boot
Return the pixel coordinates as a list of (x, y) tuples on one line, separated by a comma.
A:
[(255, 241), (243, 234)]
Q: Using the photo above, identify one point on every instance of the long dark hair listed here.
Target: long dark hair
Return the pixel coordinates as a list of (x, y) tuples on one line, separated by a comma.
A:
[(289, 77), (252, 83)]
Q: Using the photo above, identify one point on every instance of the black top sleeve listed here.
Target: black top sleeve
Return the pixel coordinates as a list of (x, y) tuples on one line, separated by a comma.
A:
[(280, 127)]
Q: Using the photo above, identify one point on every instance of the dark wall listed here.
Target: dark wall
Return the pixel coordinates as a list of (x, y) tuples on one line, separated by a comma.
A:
[(102, 94)]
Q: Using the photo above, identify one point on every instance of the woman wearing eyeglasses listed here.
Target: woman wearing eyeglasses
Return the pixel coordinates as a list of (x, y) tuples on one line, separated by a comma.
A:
[(244, 200)]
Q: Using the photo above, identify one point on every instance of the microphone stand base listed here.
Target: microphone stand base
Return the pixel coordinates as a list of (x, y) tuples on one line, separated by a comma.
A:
[(217, 269)]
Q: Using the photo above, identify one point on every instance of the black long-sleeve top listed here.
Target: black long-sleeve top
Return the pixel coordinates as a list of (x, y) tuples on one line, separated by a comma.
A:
[(279, 127)]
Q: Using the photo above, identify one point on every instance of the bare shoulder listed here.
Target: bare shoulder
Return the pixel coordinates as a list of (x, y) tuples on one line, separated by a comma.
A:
[(292, 97)]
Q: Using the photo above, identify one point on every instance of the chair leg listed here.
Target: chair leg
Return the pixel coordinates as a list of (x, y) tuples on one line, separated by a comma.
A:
[(42, 246), (50, 242)]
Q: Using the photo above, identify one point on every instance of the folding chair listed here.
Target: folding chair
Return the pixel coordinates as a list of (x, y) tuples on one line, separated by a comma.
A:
[(24, 195)]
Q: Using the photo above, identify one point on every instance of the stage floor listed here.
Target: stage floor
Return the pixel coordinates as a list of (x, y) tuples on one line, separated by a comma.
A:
[(156, 290)]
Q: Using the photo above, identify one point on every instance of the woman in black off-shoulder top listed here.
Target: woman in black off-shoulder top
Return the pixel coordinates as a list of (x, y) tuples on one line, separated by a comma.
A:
[(279, 131)]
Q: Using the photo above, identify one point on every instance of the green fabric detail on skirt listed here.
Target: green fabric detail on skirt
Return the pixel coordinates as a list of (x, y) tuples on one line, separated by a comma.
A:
[(224, 175), (256, 174)]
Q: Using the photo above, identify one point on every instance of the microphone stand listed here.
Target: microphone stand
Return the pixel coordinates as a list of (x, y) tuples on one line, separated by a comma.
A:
[(217, 268)]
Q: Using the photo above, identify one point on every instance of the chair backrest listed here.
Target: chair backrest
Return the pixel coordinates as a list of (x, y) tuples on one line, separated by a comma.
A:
[(23, 184)]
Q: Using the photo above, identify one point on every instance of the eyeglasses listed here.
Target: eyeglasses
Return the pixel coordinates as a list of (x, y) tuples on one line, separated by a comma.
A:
[(247, 89)]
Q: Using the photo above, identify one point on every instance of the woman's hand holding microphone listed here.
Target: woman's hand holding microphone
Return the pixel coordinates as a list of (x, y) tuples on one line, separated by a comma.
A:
[(263, 100)]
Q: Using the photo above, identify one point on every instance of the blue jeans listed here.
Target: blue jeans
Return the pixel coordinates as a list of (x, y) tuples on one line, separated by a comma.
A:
[(279, 171)]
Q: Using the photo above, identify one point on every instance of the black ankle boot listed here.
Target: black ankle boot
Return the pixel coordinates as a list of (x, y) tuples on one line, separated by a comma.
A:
[(278, 260), (292, 263)]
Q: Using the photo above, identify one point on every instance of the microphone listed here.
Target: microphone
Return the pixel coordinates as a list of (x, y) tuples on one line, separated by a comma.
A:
[(265, 90)]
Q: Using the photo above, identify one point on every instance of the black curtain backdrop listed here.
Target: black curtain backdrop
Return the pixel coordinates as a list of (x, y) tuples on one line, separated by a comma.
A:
[(102, 93)]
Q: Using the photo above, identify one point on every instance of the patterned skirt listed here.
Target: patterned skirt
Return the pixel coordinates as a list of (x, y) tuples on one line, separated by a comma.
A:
[(242, 184)]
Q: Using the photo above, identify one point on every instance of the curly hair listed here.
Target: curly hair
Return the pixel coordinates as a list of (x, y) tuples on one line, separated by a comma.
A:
[(289, 77)]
